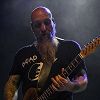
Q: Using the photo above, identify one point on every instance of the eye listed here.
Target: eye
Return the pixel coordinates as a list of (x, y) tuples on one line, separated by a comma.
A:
[(36, 24), (47, 22)]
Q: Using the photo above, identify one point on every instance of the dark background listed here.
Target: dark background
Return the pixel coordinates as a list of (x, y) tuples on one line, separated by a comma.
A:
[(76, 19)]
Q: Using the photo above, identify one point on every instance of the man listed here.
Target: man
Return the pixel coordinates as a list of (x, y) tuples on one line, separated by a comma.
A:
[(45, 62)]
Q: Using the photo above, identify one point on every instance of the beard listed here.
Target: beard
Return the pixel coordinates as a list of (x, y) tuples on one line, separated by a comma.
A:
[(48, 50)]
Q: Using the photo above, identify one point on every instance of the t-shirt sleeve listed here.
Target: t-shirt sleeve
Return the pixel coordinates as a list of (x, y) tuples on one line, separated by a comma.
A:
[(75, 50), (16, 66)]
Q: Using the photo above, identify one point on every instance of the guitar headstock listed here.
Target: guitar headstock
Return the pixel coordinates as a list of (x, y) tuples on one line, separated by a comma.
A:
[(90, 47)]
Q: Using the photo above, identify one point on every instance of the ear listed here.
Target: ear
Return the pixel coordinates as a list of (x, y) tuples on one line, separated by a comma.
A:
[(32, 26), (53, 20)]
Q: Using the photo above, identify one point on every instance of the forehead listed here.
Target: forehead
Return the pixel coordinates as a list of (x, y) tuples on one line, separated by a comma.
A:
[(40, 14)]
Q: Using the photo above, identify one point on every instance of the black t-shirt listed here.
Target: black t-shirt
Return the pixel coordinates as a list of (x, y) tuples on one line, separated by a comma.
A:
[(28, 64)]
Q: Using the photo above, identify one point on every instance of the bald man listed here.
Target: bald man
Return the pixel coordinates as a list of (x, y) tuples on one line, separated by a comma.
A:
[(42, 67)]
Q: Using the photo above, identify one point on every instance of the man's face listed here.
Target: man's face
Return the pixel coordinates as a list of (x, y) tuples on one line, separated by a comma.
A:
[(42, 25)]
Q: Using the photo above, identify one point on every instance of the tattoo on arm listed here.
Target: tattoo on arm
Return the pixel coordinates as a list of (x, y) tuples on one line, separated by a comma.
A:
[(11, 86), (80, 81)]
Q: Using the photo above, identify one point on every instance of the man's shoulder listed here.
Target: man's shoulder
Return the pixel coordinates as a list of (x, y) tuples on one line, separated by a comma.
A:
[(25, 49), (68, 42)]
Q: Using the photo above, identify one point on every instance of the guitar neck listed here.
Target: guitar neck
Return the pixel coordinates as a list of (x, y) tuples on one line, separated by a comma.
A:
[(68, 70), (48, 92)]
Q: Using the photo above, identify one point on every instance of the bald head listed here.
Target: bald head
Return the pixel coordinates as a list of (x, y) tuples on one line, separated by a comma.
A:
[(40, 13)]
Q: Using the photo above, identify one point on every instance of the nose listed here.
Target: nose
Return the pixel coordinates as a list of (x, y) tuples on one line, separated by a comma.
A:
[(43, 27)]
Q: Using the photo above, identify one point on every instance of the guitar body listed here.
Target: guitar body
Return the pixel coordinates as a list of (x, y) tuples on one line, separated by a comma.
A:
[(31, 94)]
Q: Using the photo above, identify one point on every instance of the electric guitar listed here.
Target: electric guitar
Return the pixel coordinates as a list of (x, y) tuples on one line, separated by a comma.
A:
[(32, 94)]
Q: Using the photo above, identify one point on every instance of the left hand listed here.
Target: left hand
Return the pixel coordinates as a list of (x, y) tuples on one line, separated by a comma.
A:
[(60, 83)]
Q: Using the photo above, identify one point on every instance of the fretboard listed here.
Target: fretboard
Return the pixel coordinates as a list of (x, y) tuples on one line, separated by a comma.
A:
[(48, 92), (70, 68)]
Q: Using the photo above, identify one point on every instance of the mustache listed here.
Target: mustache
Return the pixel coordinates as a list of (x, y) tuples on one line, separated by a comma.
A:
[(43, 34)]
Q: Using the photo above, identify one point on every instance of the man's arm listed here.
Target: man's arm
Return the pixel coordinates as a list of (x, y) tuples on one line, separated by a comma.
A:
[(78, 84), (11, 86)]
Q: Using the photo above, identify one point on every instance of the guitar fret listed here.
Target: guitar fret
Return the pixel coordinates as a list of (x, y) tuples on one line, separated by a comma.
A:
[(72, 64), (40, 98), (76, 60), (44, 97), (65, 73), (69, 68), (45, 94), (50, 90)]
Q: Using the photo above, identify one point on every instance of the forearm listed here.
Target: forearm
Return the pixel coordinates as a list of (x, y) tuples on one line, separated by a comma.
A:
[(11, 87), (78, 86), (9, 91)]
